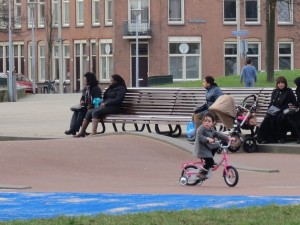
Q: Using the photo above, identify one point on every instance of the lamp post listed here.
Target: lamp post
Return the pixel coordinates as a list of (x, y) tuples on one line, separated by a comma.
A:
[(137, 13), (32, 8), (12, 96), (59, 38)]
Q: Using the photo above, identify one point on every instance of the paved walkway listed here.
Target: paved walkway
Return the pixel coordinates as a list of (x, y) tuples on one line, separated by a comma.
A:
[(49, 161)]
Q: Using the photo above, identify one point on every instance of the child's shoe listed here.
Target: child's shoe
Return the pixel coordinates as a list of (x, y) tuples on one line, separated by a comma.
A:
[(202, 174)]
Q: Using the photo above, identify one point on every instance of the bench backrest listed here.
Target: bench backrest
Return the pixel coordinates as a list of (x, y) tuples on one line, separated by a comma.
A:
[(149, 101)]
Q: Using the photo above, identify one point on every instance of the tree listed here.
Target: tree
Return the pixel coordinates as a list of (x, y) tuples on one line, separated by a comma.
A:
[(4, 18)]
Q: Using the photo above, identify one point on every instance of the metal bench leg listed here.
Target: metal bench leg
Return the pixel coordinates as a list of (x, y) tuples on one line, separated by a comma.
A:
[(103, 128), (176, 129), (115, 127), (168, 133), (148, 128)]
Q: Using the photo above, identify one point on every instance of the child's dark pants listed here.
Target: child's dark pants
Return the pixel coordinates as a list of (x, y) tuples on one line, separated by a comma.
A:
[(209, 162)]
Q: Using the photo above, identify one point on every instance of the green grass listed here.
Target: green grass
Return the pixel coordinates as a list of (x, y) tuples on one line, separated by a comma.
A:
[(234, 80), (275, 215)]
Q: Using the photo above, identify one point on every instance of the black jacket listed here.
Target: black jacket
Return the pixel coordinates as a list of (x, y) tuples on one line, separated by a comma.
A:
[(114, 95), (88, 95), (282, 97)]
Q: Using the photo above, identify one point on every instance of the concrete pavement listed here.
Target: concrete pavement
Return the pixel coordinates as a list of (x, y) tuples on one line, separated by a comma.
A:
[(45, 159)]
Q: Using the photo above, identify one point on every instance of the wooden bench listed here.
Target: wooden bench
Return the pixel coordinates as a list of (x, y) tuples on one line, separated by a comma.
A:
[(173, 107)]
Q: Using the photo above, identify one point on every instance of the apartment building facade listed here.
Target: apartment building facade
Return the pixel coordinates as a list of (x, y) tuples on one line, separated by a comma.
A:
[(185, 38)]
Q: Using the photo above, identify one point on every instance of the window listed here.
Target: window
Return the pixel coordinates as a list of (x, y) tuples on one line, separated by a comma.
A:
[(93, 56), (41, 13), (285, 56), (41, 62), (66, 13), (254, 52), (252, 11), (106, 59), (19, 58), (55, 11), (108, 12), (3, 57), (176, 11), (95, 13), (31, 13), (17, 13), (79, 13), (285, 11), (66, 61), (30, 73), (184, 58), (230, 58), (230, 11), (80, 63)]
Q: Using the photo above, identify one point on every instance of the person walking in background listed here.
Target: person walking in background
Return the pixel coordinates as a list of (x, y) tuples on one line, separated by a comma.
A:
[(248, 74), (90, 92), (112, 100)]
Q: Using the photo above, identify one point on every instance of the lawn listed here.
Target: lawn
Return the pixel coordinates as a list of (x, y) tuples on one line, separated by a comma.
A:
[(234, 80)]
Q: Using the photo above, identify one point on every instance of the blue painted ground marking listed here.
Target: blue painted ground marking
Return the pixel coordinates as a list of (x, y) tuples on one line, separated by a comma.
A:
[(46, 205)]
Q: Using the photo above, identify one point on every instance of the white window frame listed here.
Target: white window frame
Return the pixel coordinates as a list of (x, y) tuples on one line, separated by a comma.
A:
[(108, 13), (186, 40), (93, 55), (41, 62), (40, 9), (66, 60), (290, 22), (233, 22), (83, 60), (19, 57), (29, 60), (181, 21), (79, 12), (231, 55), (291, 55), (258, 14), (258, 56), (95, 12), (17, 14), (29, 14), (65, 13), (4, 56), (107, 57), (55, 11)]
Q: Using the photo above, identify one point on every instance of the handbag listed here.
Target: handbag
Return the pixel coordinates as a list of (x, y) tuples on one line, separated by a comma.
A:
[(273, 110), (76, 108), (290, 111), (200, 108)]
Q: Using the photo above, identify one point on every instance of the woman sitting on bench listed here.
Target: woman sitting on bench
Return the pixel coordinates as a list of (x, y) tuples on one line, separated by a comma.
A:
[(112, 100)]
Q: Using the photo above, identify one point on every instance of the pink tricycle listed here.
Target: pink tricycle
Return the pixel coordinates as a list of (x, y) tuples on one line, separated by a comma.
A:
[(190, 170)]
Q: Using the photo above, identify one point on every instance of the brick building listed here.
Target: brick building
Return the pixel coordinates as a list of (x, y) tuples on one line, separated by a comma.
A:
[(185, 38)]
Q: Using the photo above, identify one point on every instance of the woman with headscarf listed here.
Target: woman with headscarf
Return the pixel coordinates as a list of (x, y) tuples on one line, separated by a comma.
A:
[(293, 119), (272, 128), (112, 100)]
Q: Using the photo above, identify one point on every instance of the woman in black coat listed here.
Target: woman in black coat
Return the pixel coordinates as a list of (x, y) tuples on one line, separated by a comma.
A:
[(112, 100), (90, 92), (293, 121), (272, 128)]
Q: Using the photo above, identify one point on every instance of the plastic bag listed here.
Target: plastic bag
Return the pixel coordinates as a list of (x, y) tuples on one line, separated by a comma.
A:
[(190, 129)]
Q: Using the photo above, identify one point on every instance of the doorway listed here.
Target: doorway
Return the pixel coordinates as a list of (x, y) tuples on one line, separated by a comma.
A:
[(143, 64)]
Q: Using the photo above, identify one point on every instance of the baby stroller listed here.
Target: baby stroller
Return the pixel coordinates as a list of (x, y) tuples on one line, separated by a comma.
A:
[(237, 118)]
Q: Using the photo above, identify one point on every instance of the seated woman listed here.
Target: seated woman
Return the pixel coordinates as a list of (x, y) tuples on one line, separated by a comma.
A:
[(293, 120), (112, 99), (271, 129), (212, 93), (90, 92)]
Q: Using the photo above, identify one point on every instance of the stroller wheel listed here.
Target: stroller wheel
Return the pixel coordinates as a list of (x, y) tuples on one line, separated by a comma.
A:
[(235, 146), (250, 145)]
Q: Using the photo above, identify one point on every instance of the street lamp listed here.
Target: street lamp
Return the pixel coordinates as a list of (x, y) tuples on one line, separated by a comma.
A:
[(10, 80), (31, 5), (59, 39), (137, 13)]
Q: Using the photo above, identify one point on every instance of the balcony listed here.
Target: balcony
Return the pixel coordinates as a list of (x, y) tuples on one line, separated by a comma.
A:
[(143, 28)]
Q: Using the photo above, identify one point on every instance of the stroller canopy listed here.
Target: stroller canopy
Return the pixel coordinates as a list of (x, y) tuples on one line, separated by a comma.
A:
[(224, 108)]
